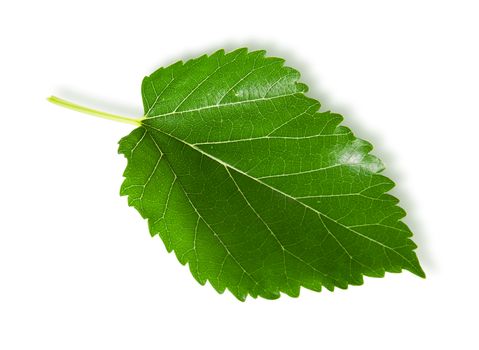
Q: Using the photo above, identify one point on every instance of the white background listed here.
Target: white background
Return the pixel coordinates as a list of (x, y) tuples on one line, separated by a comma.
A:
[(78, 268)]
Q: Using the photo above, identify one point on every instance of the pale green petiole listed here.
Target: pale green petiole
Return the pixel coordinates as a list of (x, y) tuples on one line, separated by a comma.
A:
[(96, 113)]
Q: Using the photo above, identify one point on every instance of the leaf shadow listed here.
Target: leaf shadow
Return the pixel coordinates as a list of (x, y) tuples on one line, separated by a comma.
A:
[(352, 120), (357, 125), (107, 104)]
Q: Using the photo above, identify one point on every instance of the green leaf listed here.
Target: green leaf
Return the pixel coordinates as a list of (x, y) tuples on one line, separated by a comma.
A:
[(253, 187), (259, 192)]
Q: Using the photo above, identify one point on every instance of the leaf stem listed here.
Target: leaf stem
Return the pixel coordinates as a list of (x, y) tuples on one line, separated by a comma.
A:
[(70, 105)]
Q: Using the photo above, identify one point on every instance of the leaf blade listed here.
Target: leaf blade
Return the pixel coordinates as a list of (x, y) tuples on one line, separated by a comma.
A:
[(251, 163)]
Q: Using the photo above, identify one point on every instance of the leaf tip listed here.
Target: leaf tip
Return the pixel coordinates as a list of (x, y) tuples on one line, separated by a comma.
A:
[(420, 272)]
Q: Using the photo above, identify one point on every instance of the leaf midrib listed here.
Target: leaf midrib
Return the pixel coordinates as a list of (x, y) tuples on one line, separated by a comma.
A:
[(228, 252), (284, 194)]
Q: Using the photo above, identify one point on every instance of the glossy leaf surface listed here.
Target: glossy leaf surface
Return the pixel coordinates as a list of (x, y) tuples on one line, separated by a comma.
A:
[(253, 187)]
